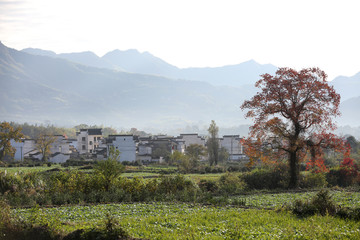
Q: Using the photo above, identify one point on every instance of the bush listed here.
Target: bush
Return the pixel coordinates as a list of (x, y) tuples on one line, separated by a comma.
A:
[(321, 203), (178, 187), (8, 183), (341, 177), (110, 168), (303, 209), (313, 180), (208, 186), (110, 231), (267, 178), (230, 183)]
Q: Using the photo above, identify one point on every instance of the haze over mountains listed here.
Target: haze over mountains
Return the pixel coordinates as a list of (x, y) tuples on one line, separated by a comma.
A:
[(132, 89), (133, 61)]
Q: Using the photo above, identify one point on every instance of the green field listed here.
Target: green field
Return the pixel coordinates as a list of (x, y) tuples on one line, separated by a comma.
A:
[(192, 214), (278, 200), (186, 221), (145, 172)]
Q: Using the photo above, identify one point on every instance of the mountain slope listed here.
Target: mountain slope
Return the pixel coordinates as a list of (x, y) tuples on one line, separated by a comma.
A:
[(136, 62), (38, 88), (145, 63), (347, 87), (234, 75), (350, 110), (86, 58), (40, 52)]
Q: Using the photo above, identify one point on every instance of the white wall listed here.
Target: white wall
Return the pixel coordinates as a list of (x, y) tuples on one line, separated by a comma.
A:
[(59, 158), (192, 139), (23, 148), (127, 147), (232, 144)]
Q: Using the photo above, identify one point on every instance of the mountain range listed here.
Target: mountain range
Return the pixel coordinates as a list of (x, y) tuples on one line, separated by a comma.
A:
[(133, 89), (133, 61)]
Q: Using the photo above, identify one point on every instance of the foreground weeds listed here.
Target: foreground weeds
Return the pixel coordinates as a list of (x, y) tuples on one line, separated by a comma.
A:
[(189, 221)]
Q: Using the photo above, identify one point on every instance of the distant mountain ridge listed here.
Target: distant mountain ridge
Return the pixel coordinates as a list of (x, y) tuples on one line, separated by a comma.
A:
[(347, 87), (145, 63), (39, 86)]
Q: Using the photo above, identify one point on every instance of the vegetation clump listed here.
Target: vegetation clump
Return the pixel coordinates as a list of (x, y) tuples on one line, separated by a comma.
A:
[(323, 204)]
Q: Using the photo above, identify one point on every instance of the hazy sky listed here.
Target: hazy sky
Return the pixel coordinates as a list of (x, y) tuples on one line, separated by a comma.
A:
[(194, 33)]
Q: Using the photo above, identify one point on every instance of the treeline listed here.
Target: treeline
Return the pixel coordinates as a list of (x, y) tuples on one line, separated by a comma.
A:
[(32, 131)]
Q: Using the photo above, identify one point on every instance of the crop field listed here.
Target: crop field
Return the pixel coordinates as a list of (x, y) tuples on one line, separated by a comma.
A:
[(189, 221), (278, 200), (182, 221), (12, 170), (147, 172)]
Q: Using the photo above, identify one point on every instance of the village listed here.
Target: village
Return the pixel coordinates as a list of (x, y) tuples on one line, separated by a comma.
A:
[(90, 144)]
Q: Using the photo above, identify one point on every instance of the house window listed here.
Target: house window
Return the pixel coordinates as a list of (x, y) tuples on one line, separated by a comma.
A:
[(83, 147), (90, 142), (83, 139)]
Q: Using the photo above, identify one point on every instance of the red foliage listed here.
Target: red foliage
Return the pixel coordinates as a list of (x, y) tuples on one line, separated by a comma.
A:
[(349, 167), (316, 165), (293, 112)]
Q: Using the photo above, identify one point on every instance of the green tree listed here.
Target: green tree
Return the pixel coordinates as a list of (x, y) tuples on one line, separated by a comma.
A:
[(175, 158), (110, 168), (213, 143), (351, 141), (182, 161), (161, 150), (185, 165), (195, 152), (7, 132), (43, 145), (223, 154)]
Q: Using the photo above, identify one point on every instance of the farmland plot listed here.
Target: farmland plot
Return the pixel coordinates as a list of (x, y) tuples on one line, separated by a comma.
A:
[(186, 221)]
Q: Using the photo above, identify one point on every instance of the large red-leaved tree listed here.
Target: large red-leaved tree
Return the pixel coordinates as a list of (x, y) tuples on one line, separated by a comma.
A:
[(293, 114)]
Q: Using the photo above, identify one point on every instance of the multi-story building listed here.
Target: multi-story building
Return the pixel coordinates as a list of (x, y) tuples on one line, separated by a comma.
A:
[(126, 144), (88, 140), (192, 138), (232, 143)]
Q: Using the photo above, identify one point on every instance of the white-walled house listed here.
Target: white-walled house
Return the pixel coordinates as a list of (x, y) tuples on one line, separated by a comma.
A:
[(180, 147), (192, 138), (23, 148), (59, 157), (88, 140), (60, 145), (60, 150), (232, 143), (126, 144)]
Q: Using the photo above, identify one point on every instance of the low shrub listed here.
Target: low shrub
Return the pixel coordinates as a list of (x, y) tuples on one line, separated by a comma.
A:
[(208, 186), (110, 231), (177, 187), (321, 203), (341, 177), (267, 178), (313, 180), (230, 183)]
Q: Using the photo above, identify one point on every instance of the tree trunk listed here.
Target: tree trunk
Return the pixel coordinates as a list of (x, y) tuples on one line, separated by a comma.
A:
[(2, 155), (294, 170)]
